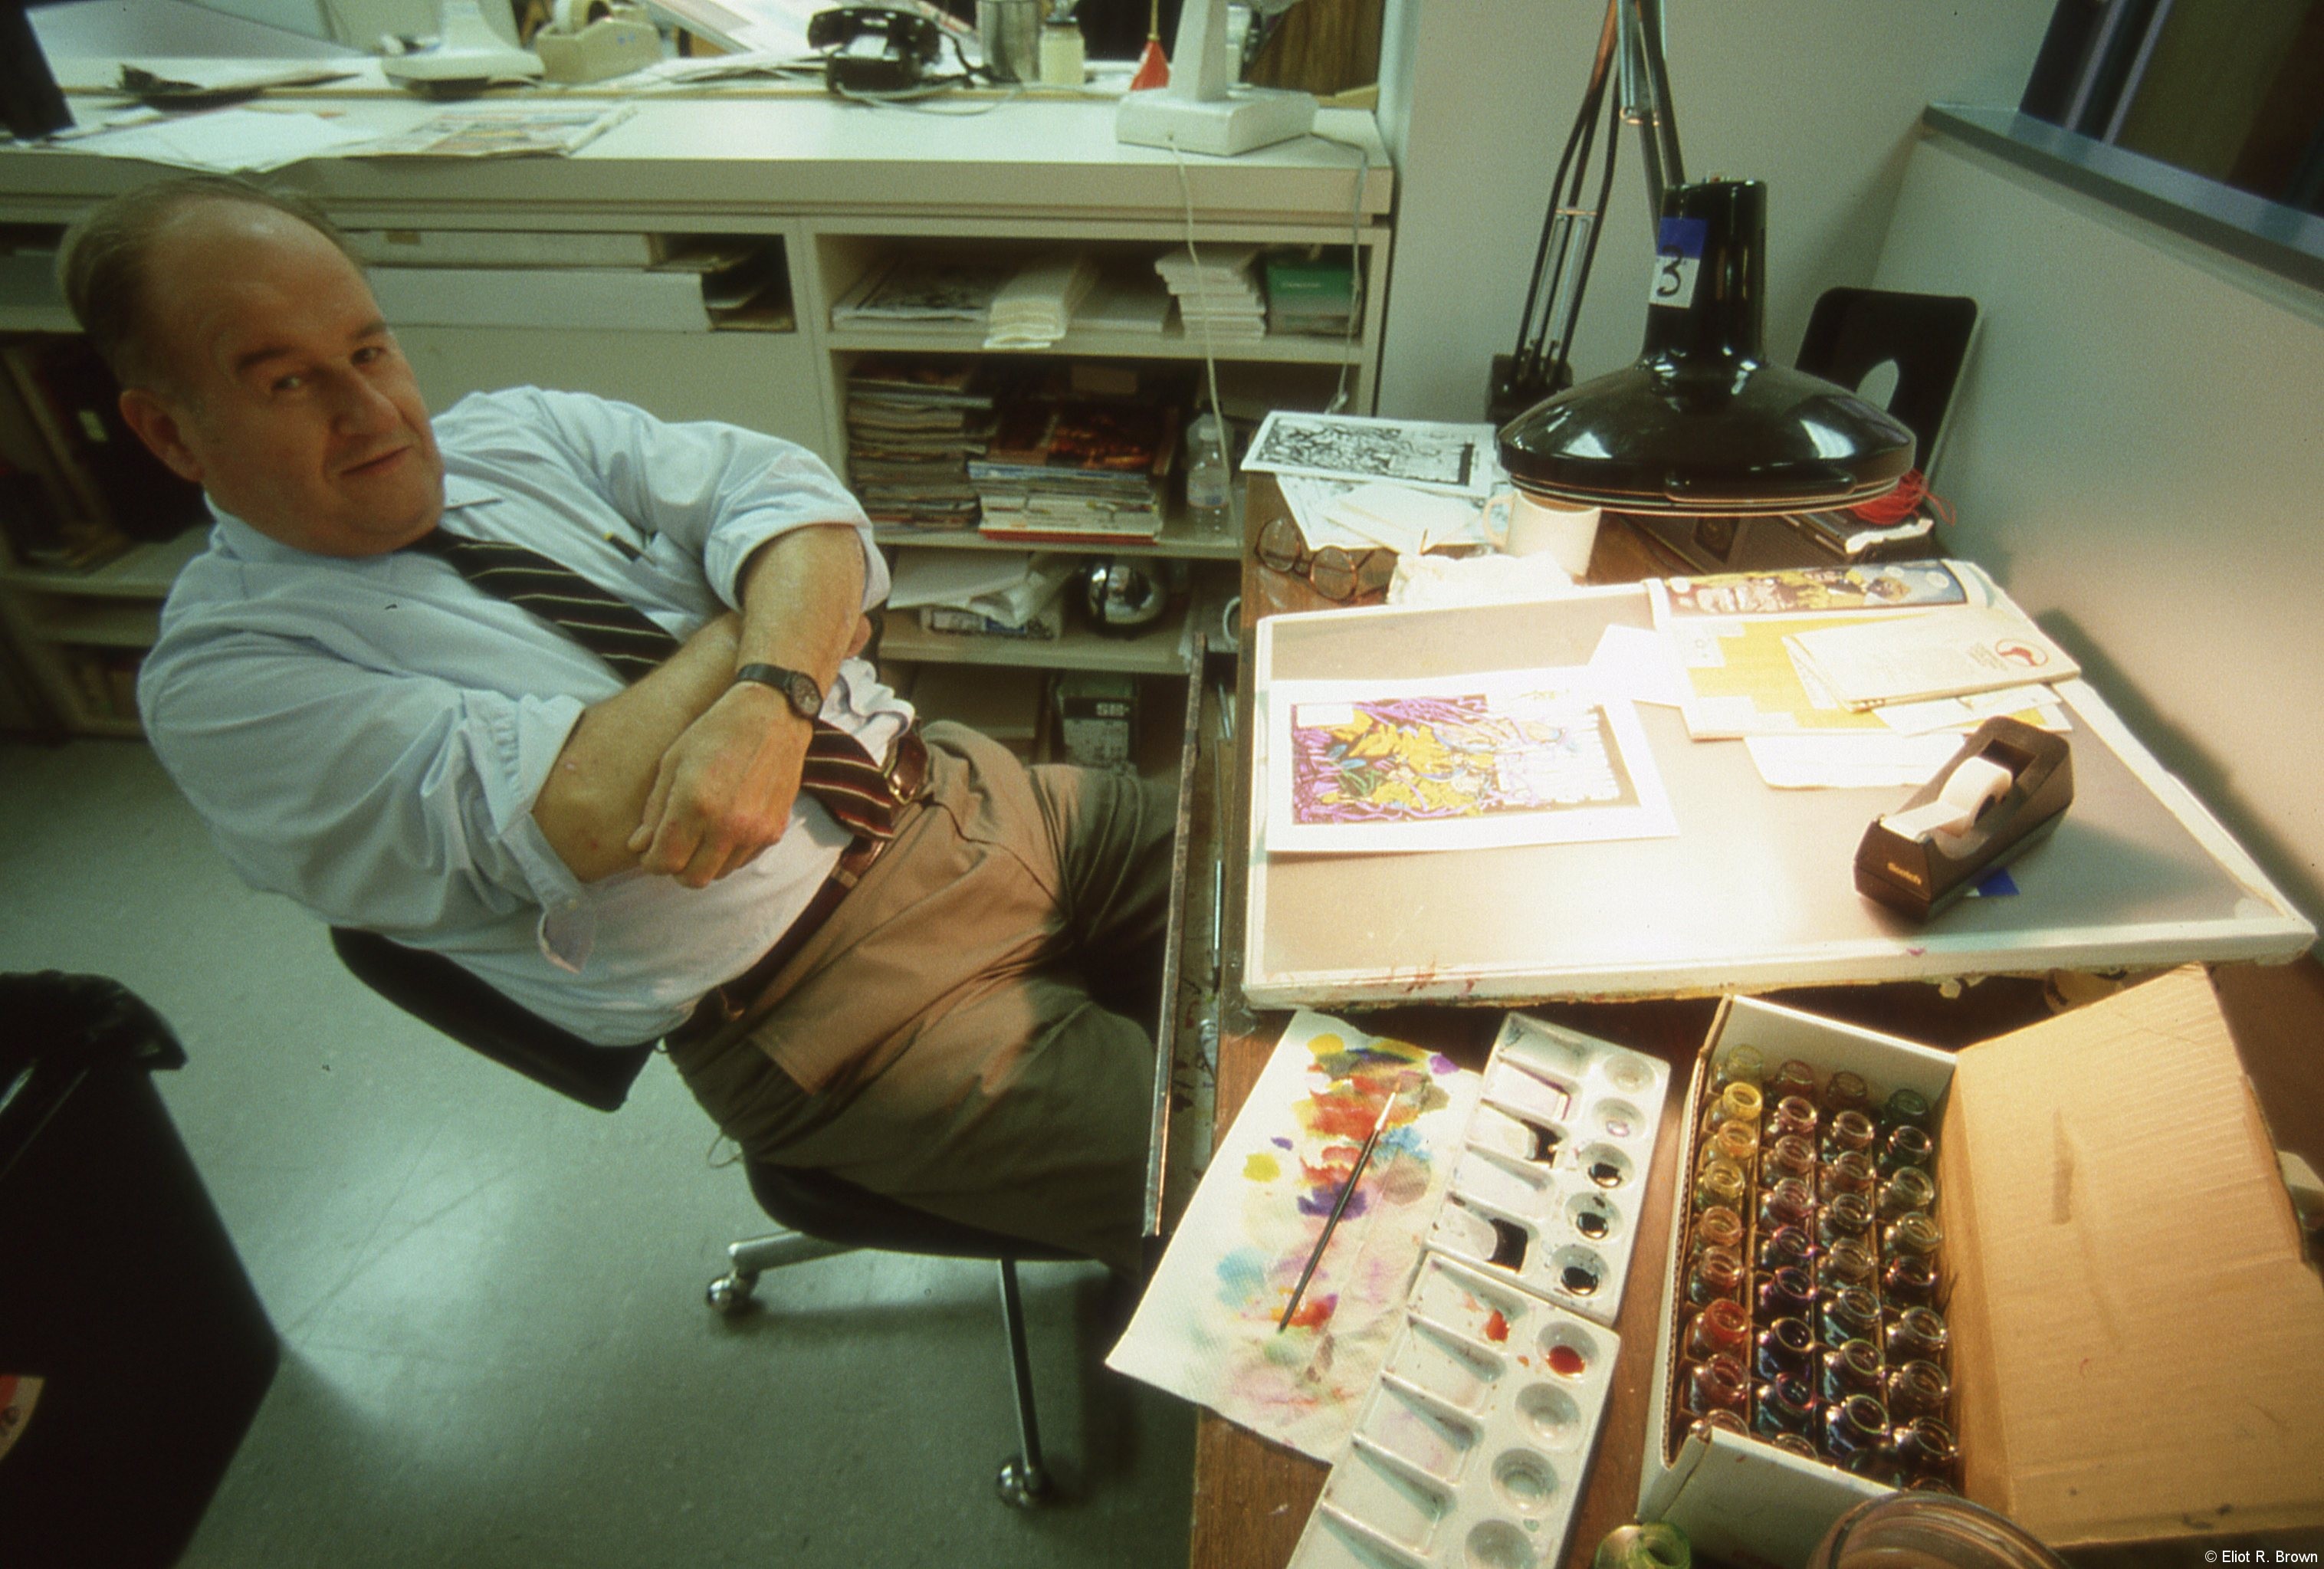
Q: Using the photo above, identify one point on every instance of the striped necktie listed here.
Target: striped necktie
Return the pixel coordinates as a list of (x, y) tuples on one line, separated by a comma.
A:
[(838, 771)]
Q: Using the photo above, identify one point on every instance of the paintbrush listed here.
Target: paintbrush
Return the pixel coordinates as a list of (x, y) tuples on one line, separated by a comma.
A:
[(1340, 1204)]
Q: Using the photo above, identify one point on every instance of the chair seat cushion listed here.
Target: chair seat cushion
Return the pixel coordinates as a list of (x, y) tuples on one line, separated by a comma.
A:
[(831, 1207)]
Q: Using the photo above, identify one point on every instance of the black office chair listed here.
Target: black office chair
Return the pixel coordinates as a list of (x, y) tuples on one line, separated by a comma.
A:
[(824, 1215)]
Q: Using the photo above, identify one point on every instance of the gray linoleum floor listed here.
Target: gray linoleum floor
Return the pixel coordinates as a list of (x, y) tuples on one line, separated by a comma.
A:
[(495, 1350)]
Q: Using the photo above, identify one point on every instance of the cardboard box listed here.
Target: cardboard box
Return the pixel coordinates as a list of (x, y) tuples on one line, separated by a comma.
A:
[(1097, 718), (2137, 1343)]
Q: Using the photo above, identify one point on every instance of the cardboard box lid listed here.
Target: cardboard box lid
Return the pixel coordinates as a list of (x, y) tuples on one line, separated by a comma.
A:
[(2141, 1347)]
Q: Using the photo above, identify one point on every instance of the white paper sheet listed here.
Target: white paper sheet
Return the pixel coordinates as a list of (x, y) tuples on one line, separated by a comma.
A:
[(228, 141), (1457, 460), (1506, 757), (1856, 759), (1206, 1328)]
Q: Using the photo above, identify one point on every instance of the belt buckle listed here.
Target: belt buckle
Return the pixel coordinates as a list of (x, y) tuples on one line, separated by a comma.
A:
[(907, 767)]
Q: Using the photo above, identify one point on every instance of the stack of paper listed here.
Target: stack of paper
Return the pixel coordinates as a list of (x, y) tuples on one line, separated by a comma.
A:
[(999, 593), (1076, 469), (1216, 293), (912, 426), (1033, 309), (921, 289)]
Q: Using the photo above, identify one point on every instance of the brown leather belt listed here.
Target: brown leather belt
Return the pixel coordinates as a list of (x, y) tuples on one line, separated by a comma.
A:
[(907, 776)]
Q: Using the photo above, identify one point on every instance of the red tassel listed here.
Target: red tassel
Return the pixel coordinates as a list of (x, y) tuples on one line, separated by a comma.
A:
[(1153, 68)]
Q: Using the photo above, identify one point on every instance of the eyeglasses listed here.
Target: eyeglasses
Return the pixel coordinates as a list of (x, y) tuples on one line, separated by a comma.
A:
[(1331, 571)]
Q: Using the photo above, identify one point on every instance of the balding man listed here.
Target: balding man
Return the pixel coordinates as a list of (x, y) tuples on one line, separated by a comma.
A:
[(388, 694)]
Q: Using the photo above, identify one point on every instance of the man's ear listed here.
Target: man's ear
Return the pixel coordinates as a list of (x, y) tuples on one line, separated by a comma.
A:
[(158, 427)]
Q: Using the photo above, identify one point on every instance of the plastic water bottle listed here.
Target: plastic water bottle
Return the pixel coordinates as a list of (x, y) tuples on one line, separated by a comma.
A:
[(1206, 475)]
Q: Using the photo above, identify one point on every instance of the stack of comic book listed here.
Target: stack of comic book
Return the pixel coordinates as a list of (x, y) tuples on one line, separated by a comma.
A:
[(912, 427)]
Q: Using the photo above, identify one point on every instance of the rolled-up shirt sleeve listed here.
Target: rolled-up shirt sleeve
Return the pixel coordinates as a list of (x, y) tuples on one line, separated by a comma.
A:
[(400, 803)]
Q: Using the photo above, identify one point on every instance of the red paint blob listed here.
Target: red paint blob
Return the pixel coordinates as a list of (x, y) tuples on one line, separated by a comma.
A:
[(1496, 1328), (1565, 1359), (1315, 1312)]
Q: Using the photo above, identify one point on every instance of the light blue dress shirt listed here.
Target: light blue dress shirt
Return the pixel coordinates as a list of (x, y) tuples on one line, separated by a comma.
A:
[(367, 736)]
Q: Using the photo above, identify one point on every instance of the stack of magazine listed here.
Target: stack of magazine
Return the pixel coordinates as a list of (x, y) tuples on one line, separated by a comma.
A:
[(1076, 469), (912, 427)]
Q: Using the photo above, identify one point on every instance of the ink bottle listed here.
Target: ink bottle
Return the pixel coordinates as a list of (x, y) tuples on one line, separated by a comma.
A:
[(1716, 1384), (1721, 1183), (1846, 1266), (1738, 1103), (1908, 1109), (1914, 1236), (1846, 1218), (1849, 1368), (1741, 1063), (1716, 1275), (1735, 1141), (1909, 1281), (1719, 1227), (1794, 1078), (1849, 1171), (1787, 1247), (1795, 1116), (1917, 1389), (1729, 1421), (1791, 1156), (1789, 1202), (1909, 1191), (1848, 1130), (1795, 1443), (1918, 1334), (1847, 1091), (1786, 1294), (1850, 1313), (1786, 1349), (1905, 1145), (1855, 1431), (1785, 1404), (1722, 1328), (1924, 1446)]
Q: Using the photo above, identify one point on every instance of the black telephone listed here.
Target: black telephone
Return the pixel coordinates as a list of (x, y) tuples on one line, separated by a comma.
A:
[(870, 49)]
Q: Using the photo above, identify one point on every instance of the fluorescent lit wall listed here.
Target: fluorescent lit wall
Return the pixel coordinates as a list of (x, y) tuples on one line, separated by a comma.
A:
[(2136, 454), (1818, 98)]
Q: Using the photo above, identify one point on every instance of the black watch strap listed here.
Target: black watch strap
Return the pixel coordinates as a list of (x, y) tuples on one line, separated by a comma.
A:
[(801, 690)]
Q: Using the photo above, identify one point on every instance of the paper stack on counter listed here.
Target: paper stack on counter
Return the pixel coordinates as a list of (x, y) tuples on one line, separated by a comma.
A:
[(1951, 653), (1033, 309), (1217, 295)]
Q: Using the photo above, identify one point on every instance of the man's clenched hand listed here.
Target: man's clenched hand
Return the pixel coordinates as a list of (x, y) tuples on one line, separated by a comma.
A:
[(723, 790)]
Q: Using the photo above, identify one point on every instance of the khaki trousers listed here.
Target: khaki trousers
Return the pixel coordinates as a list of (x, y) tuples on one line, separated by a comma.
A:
[(946, 1038)]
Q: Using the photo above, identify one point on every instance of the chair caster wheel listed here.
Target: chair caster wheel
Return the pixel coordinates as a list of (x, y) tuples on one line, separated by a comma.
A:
[(728, 1295), (1022, 1486)]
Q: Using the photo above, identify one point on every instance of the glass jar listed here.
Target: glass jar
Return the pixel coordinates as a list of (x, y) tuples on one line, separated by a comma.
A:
[(1719, 1226), (1715, 1384), (1738, 1103), (1909, 1190), (1794, 1078), (1849, 1171), (1721, 1183), (1909, 1282), (1789, 1202), (1848, 1129), (1929, 1529), (1797, 1443), (1917, 1389), (1791, 1156), (1786, 1294), (1845, 1218), (1741, 1063), (1784, 1404), (1787, 1247), (1908, 1109), (1729, 1421), (1924, 1446), (1855, 1431), (1850, 1313), (1847, 1264), (1905, 1145), (1795, 1116), (1915, 1236), (1847, 1091), (1715, 1276), (1918, 1334), (1786, 1349), (1734, 1140), (1851, 1368), (1721, 1329)]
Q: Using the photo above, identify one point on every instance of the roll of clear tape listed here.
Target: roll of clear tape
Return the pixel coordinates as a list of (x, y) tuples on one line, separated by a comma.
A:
[(1974, 786)]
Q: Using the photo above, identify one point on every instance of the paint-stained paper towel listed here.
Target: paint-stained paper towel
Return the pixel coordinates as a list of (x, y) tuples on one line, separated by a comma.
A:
[(1206, 1328)]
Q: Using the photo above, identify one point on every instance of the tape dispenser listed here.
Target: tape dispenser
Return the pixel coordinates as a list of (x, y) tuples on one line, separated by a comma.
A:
[(588, 41), (2006, 787)]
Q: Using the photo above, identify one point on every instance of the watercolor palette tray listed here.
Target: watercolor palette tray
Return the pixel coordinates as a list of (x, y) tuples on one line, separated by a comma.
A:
[(1473, 1446), (1546, 1192)]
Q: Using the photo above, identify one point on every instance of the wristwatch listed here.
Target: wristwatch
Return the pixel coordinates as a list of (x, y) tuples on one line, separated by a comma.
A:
[(802, 691)]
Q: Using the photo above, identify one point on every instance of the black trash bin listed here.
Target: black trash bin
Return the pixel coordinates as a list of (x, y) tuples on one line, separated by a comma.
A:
[(120, 1291)]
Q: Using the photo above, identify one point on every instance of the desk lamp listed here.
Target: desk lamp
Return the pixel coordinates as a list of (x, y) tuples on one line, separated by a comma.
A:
[(1702, 423), (1204, 109)]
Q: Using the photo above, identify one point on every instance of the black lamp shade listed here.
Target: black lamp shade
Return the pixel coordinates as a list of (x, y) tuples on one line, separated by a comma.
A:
[(1702, 423)]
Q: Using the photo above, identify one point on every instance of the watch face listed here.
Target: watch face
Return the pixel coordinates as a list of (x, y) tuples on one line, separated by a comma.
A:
[(805, 695)]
